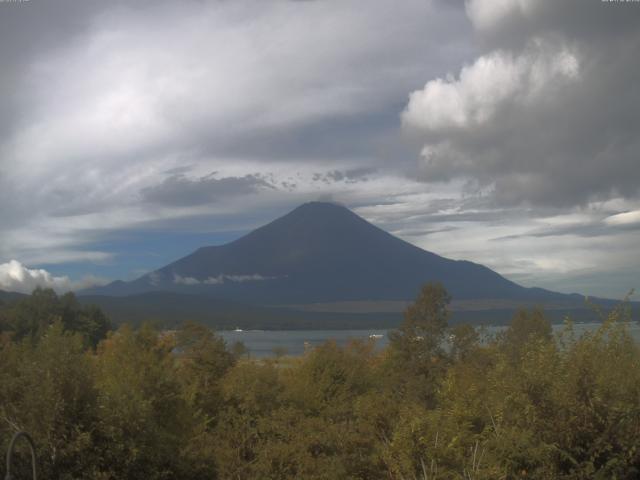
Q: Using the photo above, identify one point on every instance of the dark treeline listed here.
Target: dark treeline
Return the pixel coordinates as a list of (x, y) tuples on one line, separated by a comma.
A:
[(143, 404)]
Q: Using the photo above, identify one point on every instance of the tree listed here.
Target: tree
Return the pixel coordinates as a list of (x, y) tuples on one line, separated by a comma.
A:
[(48, 391), (416, 348), (33, 315), (527, 328), (203, 360), (144, 420), (464, 339), (88, 320)]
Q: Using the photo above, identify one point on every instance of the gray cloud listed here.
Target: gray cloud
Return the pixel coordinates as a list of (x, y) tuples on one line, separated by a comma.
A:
[(599, 227), (101, 98), (352, 175), (178, 190), (112, 113), (549, 115), (423, 232)]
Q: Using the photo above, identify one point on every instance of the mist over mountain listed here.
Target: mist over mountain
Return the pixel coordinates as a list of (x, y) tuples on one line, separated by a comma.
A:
[(323, 252)]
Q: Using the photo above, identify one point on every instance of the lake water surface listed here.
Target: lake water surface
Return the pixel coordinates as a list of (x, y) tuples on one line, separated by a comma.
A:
[(262, 343)]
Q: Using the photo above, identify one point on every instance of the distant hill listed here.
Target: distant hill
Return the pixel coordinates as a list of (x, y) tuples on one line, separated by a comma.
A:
[(10, 297), (323, 253), (170, 309)]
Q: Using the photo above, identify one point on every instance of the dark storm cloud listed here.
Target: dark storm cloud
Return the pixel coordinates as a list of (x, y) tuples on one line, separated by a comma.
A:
[(549, 115), (178, 190)]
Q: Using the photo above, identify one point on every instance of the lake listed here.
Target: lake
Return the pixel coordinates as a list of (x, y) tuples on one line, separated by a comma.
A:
[(261, 343)]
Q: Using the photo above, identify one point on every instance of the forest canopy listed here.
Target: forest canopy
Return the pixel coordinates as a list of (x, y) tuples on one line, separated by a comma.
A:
[(439, 402)]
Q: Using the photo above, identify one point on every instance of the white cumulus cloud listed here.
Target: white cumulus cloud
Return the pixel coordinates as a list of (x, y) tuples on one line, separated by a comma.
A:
[(180, 280), (15, 277), (220, 279), (491, 82)]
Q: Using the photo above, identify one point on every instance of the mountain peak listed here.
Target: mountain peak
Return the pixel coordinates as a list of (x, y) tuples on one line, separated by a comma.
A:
[(322, 252), (314, 222), (320, 206), (320, 210)]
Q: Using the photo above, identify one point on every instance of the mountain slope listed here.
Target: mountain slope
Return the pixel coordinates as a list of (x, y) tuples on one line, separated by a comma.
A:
[(322, 252)]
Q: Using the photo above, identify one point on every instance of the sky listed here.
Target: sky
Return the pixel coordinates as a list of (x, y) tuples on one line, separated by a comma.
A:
[(505, 132)]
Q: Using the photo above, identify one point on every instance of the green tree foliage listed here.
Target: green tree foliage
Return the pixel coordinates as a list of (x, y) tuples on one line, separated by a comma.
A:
[(438, 403), (144, 420), (87, 320), (32, 316), (203, 359), (48, 390), (464, 341), (417, 358), (527, 329)]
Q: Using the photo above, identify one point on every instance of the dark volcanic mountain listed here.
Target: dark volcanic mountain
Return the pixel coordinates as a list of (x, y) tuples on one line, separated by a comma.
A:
[(322, 252)]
